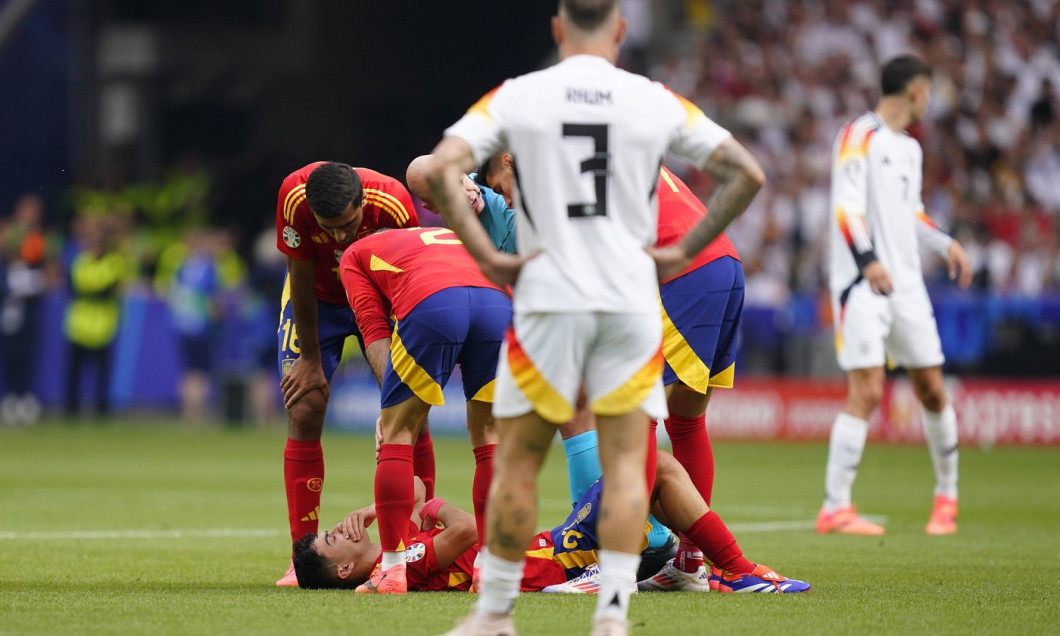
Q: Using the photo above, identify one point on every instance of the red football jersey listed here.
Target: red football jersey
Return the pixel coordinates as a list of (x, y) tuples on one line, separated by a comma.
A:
[(425, 575), (387, 274), (386, 204), (679, 210)]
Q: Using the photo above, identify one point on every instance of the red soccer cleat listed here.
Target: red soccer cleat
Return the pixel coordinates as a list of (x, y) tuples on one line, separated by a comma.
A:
[(289, 579)]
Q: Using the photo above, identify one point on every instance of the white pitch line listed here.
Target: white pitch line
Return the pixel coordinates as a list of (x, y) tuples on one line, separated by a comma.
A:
[(207, 533)]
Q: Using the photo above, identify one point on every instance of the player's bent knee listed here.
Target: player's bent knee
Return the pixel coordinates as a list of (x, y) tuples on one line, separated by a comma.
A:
[(305, 419)]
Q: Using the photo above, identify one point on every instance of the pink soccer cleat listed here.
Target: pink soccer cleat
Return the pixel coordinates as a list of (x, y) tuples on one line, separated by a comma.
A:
[(289, 579), (943, 516), (382, 581), (846, 521)]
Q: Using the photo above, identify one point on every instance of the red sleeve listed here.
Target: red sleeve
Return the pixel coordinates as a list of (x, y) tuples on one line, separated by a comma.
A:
[(369, 306), (390, 198), (293, 230)]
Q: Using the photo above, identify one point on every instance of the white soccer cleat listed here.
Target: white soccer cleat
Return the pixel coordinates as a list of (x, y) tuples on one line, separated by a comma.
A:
[(673, 579), (586, 583)]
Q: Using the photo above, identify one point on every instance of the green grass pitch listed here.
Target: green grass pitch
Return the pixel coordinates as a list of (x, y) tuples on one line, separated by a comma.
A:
[(154, 529)]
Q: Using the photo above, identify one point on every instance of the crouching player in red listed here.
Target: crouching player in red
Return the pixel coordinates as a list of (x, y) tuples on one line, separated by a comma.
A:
[(441, 548), (444, 312)]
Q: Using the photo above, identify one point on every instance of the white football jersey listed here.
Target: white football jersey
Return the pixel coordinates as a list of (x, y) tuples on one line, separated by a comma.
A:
[(877, 211), (588, 140)]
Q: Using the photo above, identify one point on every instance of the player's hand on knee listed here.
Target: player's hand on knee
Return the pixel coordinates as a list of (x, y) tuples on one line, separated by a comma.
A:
[(959, 265), (879, 279), (302, 378)]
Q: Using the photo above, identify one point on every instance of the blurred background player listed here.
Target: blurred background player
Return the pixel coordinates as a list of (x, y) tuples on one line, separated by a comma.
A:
[(493, 210), (561, 560), (321, 209), (423, 306), (584, 307), (880, 305)]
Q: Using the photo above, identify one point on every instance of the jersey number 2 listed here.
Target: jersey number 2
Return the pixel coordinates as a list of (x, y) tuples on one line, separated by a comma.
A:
[(597, 164)]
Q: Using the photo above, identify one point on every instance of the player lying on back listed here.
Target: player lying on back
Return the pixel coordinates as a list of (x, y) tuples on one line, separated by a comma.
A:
[(441, 549)]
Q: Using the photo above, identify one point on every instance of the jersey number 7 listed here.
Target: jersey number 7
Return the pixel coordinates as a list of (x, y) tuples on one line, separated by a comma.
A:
[(597, 164)]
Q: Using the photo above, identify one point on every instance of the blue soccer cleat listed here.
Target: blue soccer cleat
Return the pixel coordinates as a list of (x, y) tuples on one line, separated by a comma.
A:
[(763, 580)]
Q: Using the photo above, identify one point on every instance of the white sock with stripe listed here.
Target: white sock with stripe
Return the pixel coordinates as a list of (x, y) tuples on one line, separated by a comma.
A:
[(618, 579), (498, 584), (940, 429), (845, 447)]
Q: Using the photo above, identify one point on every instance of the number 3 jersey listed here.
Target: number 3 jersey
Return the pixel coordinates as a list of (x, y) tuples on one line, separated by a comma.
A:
[(388, 273), (588, 140), (877, 209)]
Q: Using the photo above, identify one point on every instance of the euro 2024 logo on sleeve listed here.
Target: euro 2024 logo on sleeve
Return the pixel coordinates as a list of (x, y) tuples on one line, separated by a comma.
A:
[(415, 552), (291, 237)]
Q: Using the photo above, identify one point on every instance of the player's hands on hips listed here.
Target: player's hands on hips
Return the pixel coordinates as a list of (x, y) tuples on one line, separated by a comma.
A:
[(669, 261), (302, 378), (960, 266), (378, 435), (352, 527), (879, 279)]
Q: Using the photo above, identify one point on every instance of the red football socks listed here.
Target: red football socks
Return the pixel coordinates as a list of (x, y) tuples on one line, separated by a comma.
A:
[(651, 463), (711, 535), (395, 494), (691, 445), (689, 557), (423, 462), (303, 478), (480, 486)]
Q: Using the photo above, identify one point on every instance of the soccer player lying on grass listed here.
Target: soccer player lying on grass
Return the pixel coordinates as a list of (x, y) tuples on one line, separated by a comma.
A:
[(441, 549)]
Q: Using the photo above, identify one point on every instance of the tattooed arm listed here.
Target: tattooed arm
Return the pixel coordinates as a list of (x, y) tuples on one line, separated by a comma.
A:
[(739, 178)]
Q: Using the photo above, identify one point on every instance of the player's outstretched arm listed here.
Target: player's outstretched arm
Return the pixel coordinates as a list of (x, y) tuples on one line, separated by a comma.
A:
[(451, 158), (739, 177), (459, 535)]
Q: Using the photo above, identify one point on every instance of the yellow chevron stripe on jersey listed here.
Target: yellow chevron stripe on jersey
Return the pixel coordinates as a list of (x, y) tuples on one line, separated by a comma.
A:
[(456, 578), (388, 203), (694, 113), (485, 394), (481, 107), (575, 558), (292, 201), (724, 380), (632, 394), (412, 374), (379, 265), (693, 372), (854, 143), (666, 177)]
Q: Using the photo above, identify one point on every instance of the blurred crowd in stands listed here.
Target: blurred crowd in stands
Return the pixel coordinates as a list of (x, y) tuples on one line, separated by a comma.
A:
[(783, 75), (786, 75)]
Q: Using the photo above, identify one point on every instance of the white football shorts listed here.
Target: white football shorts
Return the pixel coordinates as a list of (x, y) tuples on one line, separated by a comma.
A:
[(546, 357), (896, 330)]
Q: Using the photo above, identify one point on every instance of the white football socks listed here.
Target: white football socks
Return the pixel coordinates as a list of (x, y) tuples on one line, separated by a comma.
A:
[(618, 579), (498, 584), (390, 559), (940, 430), (844, 455)]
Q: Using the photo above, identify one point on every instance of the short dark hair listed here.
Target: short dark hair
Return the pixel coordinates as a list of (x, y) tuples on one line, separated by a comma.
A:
[(331, 187), (899, 71), (313, 571), (588, 14)]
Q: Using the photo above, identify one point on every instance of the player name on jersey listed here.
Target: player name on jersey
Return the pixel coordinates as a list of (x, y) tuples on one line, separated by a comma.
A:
[(591, 96)]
